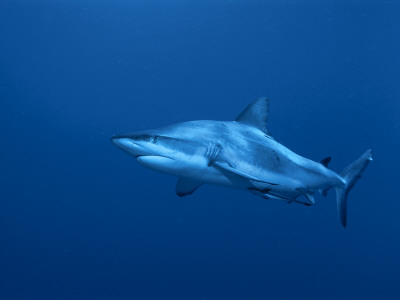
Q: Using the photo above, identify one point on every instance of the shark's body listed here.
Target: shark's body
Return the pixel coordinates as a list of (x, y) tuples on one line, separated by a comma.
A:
[(239, 154)]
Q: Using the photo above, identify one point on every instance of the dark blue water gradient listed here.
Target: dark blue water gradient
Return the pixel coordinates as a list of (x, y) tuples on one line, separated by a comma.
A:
[(79, 219)]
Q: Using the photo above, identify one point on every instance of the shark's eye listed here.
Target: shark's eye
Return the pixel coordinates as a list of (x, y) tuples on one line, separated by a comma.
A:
[(153, 139)]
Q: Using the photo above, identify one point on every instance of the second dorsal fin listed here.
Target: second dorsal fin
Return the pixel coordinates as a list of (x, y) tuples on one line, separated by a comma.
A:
[(326, 161), (256, 114)]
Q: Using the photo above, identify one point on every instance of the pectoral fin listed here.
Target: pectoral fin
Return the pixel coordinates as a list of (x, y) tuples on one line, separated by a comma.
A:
[(186, 186), (224, 167)]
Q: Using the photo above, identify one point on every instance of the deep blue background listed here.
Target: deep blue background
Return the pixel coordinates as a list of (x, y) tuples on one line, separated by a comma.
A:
[(81, 219)]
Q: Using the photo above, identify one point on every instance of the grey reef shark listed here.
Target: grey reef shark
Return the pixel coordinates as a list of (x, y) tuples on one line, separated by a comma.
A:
[(239, 154)]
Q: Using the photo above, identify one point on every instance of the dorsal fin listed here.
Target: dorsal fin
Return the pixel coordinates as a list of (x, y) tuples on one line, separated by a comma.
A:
[(326, 161), (256, 114)]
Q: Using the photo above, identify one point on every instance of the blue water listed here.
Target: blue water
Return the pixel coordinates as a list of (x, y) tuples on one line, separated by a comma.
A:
[(80, 219)]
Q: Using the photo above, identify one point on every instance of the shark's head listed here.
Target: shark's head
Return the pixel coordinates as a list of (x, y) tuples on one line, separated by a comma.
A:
[(173, 141), (160, 150), (142, 144)]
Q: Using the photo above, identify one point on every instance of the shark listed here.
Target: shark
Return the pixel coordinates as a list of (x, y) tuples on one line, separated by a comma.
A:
[(240, 154)]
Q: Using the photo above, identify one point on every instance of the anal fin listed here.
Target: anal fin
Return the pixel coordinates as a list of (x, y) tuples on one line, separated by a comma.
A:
[(324, 192)]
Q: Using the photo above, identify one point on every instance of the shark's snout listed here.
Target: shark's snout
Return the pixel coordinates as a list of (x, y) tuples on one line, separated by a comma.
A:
[(120, 141), (127, 144), (136, 144)]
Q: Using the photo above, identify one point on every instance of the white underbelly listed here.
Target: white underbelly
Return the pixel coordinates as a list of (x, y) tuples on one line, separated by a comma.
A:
[(196, 167)]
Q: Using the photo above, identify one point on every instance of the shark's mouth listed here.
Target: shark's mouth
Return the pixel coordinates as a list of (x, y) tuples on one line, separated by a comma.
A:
[(150, 155), (157, 162), (151, 158)]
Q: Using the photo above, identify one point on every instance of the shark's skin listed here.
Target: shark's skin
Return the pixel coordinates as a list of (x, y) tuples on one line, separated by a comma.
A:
[(238, 154)]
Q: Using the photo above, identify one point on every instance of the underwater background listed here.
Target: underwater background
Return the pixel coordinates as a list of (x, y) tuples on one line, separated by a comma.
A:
[(80, 219)]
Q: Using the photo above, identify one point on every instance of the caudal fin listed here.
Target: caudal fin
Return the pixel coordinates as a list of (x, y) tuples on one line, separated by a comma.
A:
[(350, 175)]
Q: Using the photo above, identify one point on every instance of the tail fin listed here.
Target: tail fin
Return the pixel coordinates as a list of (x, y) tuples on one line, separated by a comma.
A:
[(350, 175)]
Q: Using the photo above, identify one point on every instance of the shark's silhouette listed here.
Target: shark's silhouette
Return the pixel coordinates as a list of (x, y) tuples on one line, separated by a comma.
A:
[(239, 154)]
